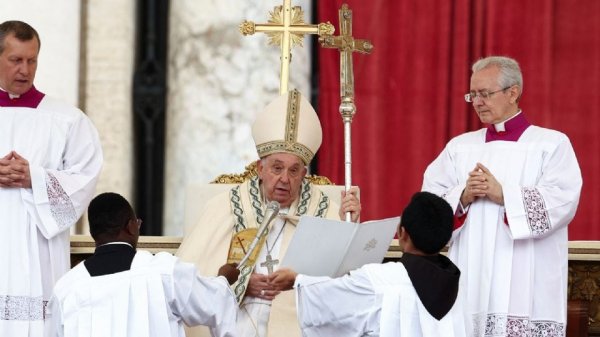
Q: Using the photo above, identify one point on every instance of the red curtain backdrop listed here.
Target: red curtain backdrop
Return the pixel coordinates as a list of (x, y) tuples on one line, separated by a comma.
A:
[(409, 91)]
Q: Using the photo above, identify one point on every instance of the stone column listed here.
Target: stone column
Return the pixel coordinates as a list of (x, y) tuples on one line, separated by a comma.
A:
[(107, 72), (218, 81)]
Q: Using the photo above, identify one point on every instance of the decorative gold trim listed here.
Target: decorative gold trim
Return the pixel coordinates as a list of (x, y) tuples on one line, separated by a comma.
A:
[(276, 19), (326, 29), (318, 180), (290, 143), (247, 28), (291, 119), (279, 146), (286, 28), (251, 171)]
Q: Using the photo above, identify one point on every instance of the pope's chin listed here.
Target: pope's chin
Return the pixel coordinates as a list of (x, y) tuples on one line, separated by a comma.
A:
[(282, 198)]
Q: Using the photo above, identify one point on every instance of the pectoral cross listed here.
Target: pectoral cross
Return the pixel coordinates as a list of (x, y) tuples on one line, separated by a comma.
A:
[(346, 44), (286, 28), (269, 263)]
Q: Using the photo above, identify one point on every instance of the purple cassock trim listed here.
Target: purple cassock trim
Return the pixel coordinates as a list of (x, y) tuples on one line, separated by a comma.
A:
[(514, 129), (30, 99)]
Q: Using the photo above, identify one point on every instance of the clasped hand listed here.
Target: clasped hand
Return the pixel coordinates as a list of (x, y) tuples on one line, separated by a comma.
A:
[(482, 184), (268, 287), (14, 171), (260, 287)]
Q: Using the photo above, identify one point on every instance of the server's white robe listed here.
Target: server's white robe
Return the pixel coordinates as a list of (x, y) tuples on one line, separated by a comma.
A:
[(375, 300), (65, 158), (152, 299), (514, 277)]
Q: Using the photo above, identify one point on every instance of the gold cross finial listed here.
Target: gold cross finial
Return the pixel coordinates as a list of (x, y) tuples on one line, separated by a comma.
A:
[(346, 44), (286, 27)]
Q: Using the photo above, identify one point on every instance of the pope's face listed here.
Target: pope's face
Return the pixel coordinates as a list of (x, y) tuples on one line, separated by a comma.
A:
[(500, 105), (281, 176), (18, 64)]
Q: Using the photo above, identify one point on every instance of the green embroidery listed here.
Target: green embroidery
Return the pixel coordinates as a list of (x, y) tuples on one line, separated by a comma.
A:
[(322, 206), (236, 208), (304, 198), (256, 200), (239, 287)]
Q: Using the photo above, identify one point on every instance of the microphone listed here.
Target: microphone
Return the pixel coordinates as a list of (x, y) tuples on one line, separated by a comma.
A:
[(270, 214)]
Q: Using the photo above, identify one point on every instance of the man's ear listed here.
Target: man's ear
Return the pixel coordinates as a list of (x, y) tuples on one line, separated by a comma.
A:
[(402, 236), (131, 227), (401, 233), (515, 93), (259, 168)]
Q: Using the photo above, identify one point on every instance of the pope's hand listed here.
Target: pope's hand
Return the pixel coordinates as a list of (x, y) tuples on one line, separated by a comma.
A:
[(259, 286), (350, 203), (283, 279)]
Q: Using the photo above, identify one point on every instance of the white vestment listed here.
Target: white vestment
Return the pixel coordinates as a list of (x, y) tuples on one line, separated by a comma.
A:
[(374, 300), (514, 277), (62, 148), (207, 245), (154, 298)]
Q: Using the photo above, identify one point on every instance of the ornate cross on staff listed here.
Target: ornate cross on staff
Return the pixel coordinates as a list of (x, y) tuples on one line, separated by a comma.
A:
[(346, 44), (286, 28)]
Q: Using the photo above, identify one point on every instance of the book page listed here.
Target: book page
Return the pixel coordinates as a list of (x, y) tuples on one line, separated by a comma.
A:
[(318, 246), (370, 244), (324, 247)]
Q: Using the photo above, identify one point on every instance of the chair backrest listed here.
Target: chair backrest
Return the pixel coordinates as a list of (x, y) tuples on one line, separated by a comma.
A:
[(197, 195)]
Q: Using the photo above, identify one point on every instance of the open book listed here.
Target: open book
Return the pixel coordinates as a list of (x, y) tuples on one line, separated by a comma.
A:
[(323, 247)]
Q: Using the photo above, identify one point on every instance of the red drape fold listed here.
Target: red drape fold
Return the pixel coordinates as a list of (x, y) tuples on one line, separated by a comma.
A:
[(409, 91)]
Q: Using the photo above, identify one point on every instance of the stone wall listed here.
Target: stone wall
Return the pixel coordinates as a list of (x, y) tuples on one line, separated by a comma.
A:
[(218, 80)]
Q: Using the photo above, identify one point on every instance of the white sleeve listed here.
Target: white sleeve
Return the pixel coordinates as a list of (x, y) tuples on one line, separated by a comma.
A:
[(440, 178), (203, 300), (344, 306), (535, 211), (53, 325), (58, 197)]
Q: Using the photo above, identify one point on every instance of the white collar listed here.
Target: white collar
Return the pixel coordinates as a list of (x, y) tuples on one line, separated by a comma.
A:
[(500, 127), (115, 243), (11, 96)]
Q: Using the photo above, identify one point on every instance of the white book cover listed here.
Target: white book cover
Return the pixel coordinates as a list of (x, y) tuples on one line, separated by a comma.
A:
[(324, 247)]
